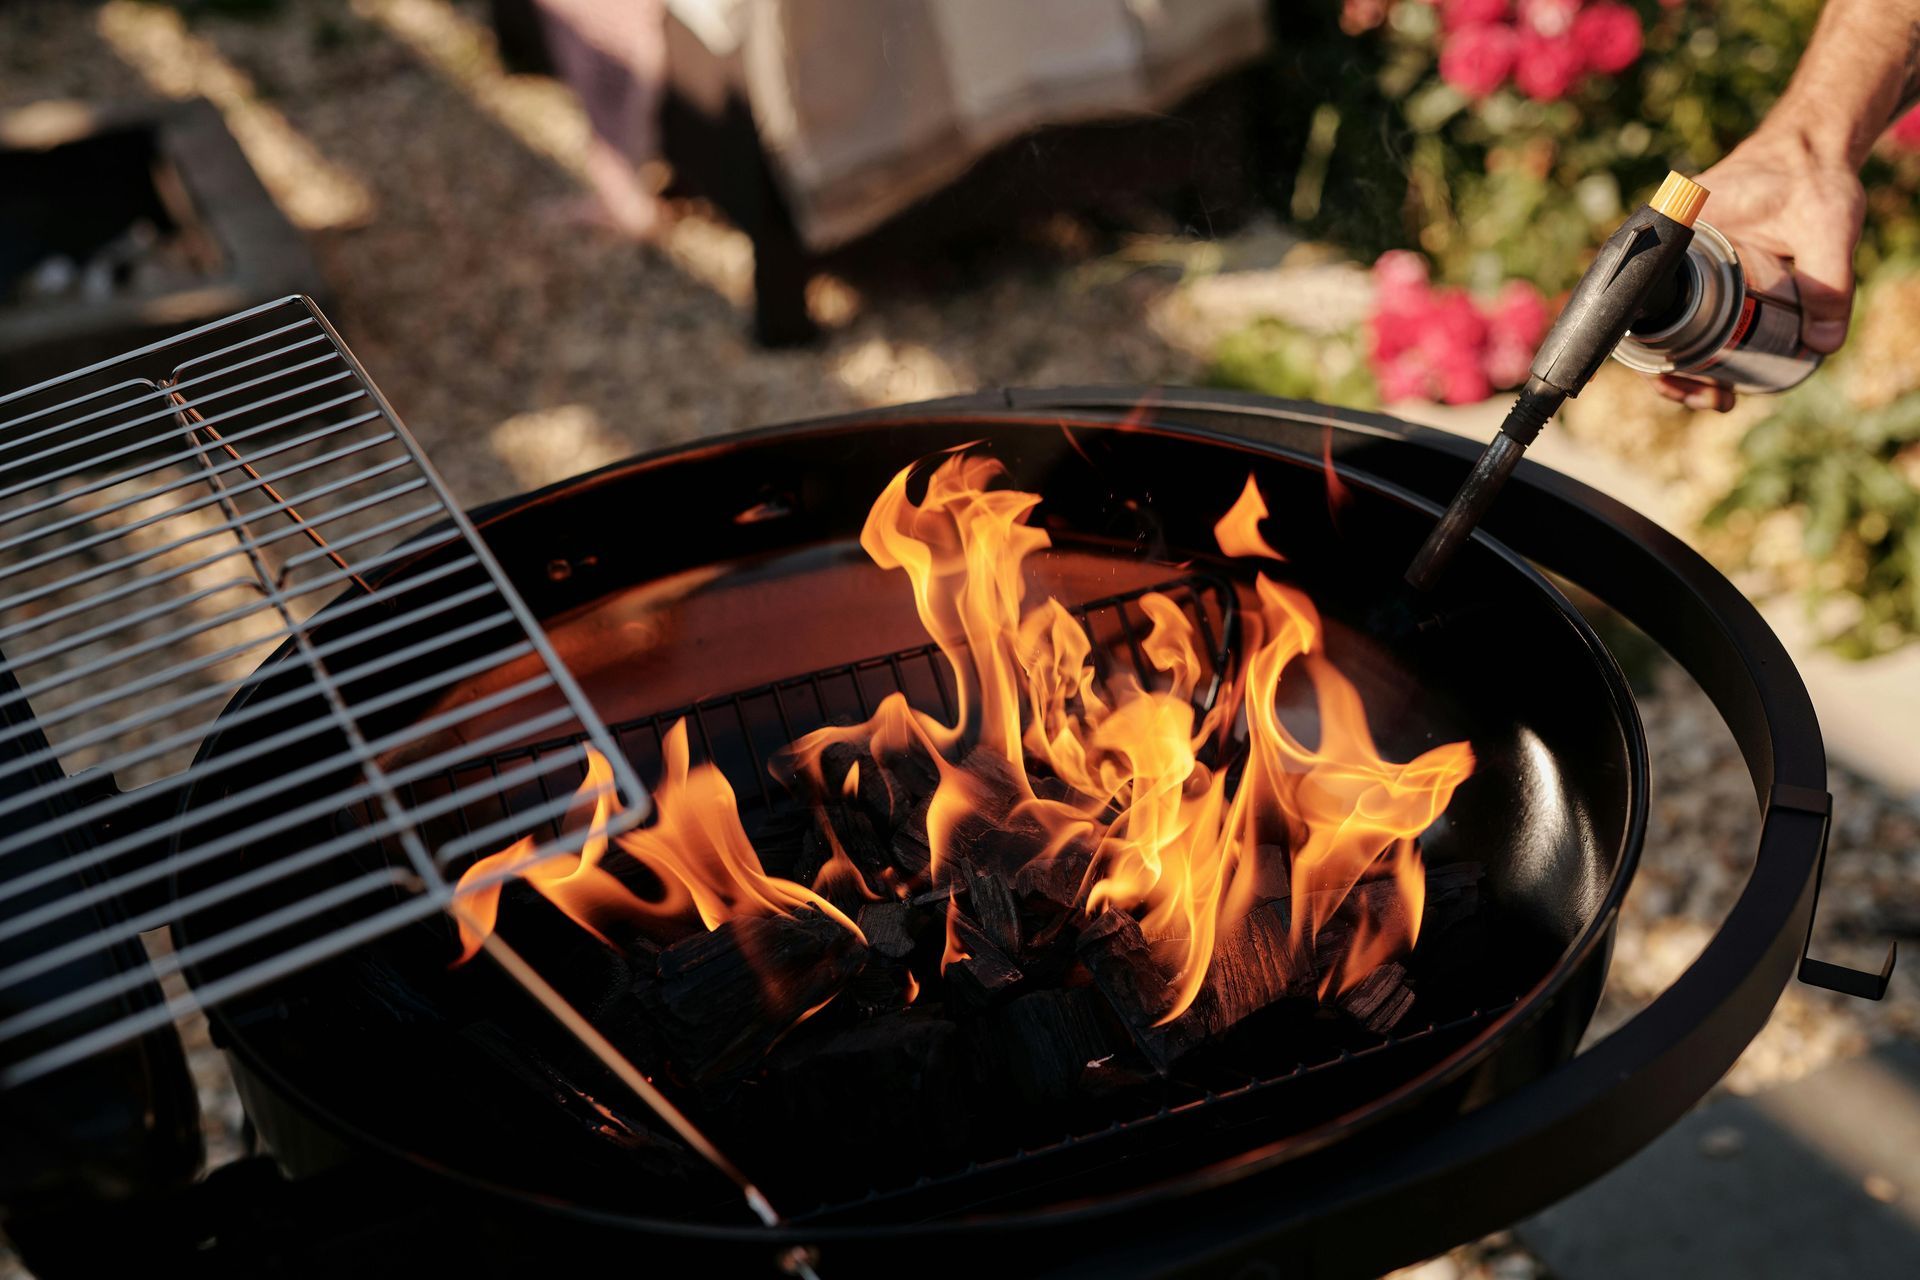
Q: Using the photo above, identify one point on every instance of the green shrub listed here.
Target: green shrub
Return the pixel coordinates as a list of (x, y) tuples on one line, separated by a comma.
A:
[(1849, 472)]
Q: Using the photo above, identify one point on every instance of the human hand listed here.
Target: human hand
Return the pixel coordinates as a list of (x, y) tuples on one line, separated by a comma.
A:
[(1775, 191)]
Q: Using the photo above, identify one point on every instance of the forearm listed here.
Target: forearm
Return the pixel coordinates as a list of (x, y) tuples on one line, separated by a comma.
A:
[(1860, 70)]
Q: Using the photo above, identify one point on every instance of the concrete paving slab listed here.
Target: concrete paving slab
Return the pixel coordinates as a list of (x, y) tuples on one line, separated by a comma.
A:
[(1815, 1180)]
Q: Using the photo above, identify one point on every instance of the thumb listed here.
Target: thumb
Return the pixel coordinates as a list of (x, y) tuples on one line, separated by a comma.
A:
[(1823, 270)]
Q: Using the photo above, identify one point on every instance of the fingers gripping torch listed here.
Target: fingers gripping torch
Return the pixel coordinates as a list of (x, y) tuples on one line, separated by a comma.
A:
[(1636, 274)]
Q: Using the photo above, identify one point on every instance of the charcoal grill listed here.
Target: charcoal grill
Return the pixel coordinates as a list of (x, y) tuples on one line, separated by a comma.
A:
[(478, 658)]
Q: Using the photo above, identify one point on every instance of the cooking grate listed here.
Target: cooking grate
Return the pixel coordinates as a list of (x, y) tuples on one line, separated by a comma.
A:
[(1233, 1100), (168, 520), (741, 732)]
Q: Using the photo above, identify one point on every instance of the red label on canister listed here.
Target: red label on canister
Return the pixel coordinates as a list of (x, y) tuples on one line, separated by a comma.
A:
[(1744, 323)]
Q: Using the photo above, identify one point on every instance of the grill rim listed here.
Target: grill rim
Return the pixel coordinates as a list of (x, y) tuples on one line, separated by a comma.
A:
[(1119, 412)]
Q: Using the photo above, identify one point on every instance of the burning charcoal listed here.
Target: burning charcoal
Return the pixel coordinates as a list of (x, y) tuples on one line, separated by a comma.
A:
[(942, 894), (888, 1092), (1453, 896), (1135, 986), (863, 843), (911, 776), (1253, 965), (1045, 1042), (872, 791), (864, 849), (1271, 872), (912, 851), (783, 843), (724, 997), (1057, 882), (1047, 787), (986, 837), (876, 990), (1380, 1000), (991, 837), (991, 903), (886, 926), (836, 758), (985, 971), (1376, 900)]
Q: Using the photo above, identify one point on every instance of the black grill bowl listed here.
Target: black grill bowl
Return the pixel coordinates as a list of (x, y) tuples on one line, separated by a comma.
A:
[(352, 1066)]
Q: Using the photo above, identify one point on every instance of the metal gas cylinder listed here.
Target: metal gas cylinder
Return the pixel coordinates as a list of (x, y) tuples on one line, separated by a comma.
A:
[(1734, 320)]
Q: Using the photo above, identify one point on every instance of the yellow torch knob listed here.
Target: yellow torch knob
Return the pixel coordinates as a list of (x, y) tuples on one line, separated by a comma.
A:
[(1679, 198)]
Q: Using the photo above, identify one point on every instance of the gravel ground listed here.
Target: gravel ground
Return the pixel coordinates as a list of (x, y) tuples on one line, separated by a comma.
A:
[(521, 349)]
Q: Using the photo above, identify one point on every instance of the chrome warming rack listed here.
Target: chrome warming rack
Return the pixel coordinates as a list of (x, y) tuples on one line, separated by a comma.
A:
[(170, 520)]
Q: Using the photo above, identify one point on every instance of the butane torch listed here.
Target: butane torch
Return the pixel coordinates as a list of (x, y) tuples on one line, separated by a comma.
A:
[(1636, 274)]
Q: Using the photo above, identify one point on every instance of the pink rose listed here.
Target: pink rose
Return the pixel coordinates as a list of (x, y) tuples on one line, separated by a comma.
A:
[(1357, 16), (1906, 130), (1547, 66), (1507, 364), (1442, 344), (1399, 275), (1401, 379), (1477, 60), (1395, 333), (1549, 17), (1519, 314), (1516, 322), (1609, 35), (1454, 343), (1455, 321), (1463, 381), (1455, 14)]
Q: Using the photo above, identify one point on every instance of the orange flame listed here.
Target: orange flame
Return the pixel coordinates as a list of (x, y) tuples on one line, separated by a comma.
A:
[(576, 883), (1238, 531), (1184, 844), (1338, 495), (1173, 846), (696, 849)]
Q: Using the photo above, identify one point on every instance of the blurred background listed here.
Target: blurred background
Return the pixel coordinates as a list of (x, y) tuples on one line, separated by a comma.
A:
[(560, 232)]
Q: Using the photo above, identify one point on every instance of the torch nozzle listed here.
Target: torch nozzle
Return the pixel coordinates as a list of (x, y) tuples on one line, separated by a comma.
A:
[(1634, 270), (1530, 412)]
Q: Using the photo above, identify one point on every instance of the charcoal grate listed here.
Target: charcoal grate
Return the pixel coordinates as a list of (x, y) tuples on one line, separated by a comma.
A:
[(983, 1179), (741, 732)]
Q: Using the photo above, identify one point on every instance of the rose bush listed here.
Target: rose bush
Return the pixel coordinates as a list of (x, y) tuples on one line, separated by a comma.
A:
[(1476, 151), (1442, 344), (1504, 139)]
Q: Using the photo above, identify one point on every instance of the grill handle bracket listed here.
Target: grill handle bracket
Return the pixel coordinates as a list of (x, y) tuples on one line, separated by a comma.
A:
[(1825, 974)]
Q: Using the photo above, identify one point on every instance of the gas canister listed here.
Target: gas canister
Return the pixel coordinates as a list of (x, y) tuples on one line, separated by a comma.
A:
[(1734, 319)]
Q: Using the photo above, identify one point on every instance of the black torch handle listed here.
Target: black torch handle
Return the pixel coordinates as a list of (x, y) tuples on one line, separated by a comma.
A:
[(1636, 273)]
